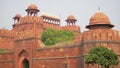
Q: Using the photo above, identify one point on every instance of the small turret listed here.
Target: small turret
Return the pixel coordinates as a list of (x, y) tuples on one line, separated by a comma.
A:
[(32, 10), (71, 20), (99, 19), (17, 18)]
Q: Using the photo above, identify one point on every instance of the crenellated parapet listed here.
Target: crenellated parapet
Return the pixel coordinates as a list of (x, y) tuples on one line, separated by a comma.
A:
[(27, 23), (24, 35), (7, 33), (31, 19), (7, 39), (101, 37), (101, 34), (72, 28)]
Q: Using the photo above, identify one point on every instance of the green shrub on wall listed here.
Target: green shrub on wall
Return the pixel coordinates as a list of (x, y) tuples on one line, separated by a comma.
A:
[(51, 37), (1, 50)]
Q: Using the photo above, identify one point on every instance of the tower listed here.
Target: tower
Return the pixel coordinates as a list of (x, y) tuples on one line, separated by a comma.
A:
[(71, 24), (100, 33), (27, 36), (71, 21), (16, 20), (32, 10), (99, 20)]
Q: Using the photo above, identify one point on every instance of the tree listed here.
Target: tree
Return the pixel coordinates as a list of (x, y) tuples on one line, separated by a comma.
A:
[(102, 56)]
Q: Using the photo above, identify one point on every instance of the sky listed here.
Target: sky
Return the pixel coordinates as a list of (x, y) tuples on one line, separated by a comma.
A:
[(81, 9)]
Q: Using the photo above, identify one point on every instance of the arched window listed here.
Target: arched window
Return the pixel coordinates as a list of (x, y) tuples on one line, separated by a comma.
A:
[(25, 63)]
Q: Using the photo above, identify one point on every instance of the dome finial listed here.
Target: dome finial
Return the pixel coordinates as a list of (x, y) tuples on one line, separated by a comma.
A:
[(98, 8)]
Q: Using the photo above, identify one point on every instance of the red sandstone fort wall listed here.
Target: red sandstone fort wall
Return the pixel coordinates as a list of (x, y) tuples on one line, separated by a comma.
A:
[(101, 37), (24, 40), (105, 37), (7, 60), (49, 57), (6, 39)]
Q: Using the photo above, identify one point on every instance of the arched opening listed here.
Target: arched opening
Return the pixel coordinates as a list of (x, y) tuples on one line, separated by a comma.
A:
[(23, 59), (25, 63)]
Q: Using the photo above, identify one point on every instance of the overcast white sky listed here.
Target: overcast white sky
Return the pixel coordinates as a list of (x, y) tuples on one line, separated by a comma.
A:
[(81, 9)]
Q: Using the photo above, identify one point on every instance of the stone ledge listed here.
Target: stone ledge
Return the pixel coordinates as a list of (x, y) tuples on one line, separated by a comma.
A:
[(102, 41), (52, 58), (6, 60), (26, 39), (6, 37), (57, 47)]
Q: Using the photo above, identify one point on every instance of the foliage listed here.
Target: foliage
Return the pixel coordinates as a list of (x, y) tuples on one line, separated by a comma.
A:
[(1, 50), (102, 56), (50, 36)]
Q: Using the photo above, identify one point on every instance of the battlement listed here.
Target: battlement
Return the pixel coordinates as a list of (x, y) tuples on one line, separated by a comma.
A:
[(31, 19), (73, 28), (24, 34), (7, 33), (101, 34)]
